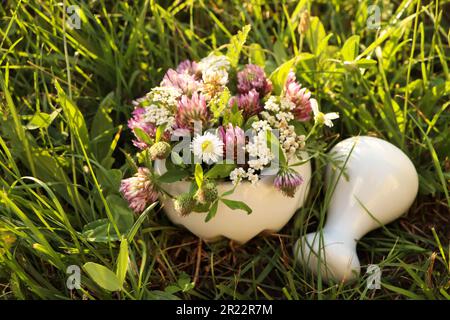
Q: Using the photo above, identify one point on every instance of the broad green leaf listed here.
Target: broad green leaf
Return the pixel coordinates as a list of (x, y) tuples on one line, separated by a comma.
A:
[(74, 117), (102, 128), (102, 121), (122, 261), (122, 214), (235, 47), (220, 170), (237, 205), (257, 55), (109, 179), (280, 51), (350, 48), (315, 35), (102, 276), (100, 230), (41, 120), (198, 174), (212, 211), (279, 76)]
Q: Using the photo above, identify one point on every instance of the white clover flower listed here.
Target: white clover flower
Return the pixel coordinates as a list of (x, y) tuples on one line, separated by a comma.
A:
[(323, 118), (214, 62), (214, 82), (215, 76), (207, 147)]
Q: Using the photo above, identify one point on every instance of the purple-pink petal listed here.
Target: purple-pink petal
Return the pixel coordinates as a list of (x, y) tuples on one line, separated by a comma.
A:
[(139, 190)]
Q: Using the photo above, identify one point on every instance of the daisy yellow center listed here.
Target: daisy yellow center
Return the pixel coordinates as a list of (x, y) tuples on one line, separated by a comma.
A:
[(207, 146), (320, 117)]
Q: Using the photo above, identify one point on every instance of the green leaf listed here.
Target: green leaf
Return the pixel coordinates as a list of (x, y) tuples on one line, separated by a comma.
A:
[(141, 134), (173, 175), (273, 144), (220, 170), (315, 35), (100, 230), (75, 118), (249, 122), (212, 211), (257, 55), (109, 179), (198, 174), (102, 128), (102, 276), (159, 132), (237, 205), (235, 47), (233, 116), (280, 51), (122, 261), (184, 282), (218, 105), (41, 120), (122, 214), (139, 221), (279, 76), (350, 48), (365, 63)]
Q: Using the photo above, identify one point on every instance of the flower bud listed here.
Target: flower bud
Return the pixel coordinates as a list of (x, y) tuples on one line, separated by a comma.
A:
[(207, 193), (184, 204), (303, 26), (159, 150)]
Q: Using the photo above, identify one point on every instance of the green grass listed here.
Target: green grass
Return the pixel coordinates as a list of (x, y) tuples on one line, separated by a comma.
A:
[(66, 94)]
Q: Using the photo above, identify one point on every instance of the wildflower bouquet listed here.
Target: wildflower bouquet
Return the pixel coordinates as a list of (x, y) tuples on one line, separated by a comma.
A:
[(215, 120)]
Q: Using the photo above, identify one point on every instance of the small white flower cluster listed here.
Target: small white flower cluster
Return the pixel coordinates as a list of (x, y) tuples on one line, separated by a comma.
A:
[(260, 154), (290, 141), (166, 96), (278, 115), (238, 174), (159, 116)]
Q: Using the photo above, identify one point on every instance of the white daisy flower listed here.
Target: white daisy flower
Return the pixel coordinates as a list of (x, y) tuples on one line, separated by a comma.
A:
[(323, 118), (207, 147)]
